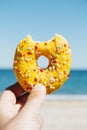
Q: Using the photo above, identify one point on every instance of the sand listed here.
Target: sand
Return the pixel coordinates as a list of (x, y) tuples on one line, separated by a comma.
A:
[(65, 114)]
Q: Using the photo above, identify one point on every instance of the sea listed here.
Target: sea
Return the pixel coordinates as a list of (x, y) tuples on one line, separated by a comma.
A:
[(75, 85)]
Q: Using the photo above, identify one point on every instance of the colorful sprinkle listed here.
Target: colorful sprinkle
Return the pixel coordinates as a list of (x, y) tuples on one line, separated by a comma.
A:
[(29, 52), (34, 69), (20, 55), (35, 79), (36, 47), (15, 61), (15, 67), (65, 45), (29, 49), (45, 43), (41, 70)]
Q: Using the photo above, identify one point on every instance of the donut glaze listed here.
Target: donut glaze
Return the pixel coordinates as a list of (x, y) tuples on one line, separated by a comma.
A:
[(26, 68)]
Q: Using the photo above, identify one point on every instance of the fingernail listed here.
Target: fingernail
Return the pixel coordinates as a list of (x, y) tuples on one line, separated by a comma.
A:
[(40, 87)]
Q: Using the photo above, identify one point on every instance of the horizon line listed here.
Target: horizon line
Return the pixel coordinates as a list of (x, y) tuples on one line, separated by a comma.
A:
[(10, 68)]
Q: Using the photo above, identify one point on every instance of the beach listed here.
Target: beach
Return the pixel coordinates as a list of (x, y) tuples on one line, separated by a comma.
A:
[(65, 114)]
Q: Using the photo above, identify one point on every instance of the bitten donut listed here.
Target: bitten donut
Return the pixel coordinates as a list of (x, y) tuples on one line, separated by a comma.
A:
[(26, 68)]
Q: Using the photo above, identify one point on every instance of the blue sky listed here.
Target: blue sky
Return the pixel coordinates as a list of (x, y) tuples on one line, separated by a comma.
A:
[(42, 19)]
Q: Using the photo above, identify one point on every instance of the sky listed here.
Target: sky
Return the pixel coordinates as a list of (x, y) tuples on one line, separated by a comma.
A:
[(42, 19)]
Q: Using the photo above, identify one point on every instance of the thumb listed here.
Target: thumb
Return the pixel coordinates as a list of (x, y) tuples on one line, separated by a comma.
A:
[(35, 101)]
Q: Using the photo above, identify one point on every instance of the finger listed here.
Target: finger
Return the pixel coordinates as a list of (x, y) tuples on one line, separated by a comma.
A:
[(22, 99), (40, 122), (16, 89), (36, 98), (34, 101), (8, 96)]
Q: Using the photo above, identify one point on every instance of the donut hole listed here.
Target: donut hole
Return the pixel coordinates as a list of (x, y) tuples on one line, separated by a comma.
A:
[(43, 62)]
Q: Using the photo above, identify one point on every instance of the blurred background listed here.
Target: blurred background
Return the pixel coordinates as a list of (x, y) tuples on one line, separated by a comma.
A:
[(42, 20)]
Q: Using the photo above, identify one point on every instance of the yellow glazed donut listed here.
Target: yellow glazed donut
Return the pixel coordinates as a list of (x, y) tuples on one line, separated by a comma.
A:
[(26, 66)]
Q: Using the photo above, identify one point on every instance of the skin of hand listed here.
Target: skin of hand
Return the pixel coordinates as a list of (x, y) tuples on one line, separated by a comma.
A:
[(20, 110)]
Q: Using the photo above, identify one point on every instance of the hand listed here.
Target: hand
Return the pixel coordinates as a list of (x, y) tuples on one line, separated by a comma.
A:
[(21, 111)]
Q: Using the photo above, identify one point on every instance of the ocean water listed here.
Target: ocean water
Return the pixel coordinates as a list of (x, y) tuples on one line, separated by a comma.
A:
[(75, 85)]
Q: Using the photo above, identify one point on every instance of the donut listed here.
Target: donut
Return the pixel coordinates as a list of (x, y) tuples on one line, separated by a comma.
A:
[(29, 73)]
